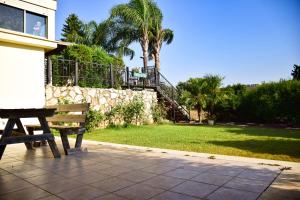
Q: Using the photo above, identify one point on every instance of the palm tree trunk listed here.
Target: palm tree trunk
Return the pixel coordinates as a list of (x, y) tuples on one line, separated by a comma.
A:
[(145, 46), (157, 60)]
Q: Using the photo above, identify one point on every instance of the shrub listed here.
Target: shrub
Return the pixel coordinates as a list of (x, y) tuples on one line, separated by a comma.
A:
[(114, 114), (93, 119), (275, 102), (94, 65), (159, 112), (133, 111)]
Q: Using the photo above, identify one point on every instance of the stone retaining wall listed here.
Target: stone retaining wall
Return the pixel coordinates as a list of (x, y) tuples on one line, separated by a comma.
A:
[(101, 99)]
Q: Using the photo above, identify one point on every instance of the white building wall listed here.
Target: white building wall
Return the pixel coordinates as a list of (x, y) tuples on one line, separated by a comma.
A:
[(21, 76)]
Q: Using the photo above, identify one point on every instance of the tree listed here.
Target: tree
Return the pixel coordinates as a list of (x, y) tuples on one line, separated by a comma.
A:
[(192, 94), (72, 29), (138, 15), (296, 72), (158, 35), (115, 36), (213, 93), (88, 32)]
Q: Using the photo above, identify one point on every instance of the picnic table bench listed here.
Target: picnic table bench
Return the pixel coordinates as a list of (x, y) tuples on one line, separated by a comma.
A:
[(69, 119), (14, 119)]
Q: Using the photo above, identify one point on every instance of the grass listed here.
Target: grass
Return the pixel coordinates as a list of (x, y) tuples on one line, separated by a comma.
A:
[(276, 144)]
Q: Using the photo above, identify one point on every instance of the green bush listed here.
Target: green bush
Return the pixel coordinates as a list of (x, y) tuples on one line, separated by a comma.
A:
[(93, 119), (275, 102), (159, 112), (114, 114), (133, 111), (93, 65)]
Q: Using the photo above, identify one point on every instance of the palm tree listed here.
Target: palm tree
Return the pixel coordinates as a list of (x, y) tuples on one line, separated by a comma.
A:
[(115, 36), (192, 93), (157, 37), (88, 30), (138, 15), (213, 93)]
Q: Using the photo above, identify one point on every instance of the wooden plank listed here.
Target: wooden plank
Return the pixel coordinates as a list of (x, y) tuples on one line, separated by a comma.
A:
[(67, 118), (65, 142), (21, 130), (26, 113), (26, 138), (71, 107), (6, 133), (51, 142)]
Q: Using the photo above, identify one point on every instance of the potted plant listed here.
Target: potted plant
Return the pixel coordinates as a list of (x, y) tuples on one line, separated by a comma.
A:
[(211, 119)]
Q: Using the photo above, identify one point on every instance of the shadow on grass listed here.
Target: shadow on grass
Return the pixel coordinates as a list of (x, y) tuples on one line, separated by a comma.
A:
[(275, 147), (259, 131)]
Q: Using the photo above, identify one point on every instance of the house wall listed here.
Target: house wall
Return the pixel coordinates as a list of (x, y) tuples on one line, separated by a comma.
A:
[(21, 77), (22, 59)]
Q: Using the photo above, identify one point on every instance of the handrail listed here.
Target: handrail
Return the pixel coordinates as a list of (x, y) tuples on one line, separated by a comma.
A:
[(173, 89)]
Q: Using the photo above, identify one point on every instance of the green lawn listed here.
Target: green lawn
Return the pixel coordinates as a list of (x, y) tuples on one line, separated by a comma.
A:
[(277, 144)]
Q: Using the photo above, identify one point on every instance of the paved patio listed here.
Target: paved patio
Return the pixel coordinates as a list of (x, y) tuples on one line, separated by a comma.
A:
[(120, 172)]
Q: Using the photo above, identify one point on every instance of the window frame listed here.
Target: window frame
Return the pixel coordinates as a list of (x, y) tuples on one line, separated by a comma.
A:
[(25, 21)]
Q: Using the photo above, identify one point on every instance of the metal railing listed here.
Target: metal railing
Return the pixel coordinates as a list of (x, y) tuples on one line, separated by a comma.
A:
[(64, 72)]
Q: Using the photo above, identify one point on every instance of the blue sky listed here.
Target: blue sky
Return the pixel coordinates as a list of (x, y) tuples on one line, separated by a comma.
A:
[(244, 41)]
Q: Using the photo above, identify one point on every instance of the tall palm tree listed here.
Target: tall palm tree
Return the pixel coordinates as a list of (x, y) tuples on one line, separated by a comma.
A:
[(138, 14), (157, 37), (88, 30), (115, 36)]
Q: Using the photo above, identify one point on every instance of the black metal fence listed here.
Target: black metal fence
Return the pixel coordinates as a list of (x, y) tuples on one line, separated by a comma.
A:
[(64, 72)]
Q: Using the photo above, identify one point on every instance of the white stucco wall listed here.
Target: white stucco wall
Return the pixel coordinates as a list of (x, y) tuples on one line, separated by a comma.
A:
[(21, 76)]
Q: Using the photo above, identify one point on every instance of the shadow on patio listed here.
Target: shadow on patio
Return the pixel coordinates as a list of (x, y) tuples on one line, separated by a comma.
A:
[(107, 172)]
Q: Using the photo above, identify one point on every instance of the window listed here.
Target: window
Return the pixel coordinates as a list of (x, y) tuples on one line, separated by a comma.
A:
[(11, 18), (23, 21), (35, 24)]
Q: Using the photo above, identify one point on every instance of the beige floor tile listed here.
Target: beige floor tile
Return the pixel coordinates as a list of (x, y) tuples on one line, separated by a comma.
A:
[(172, 196), (137, 176), (158, 169), (8, 178), (232, 194), (247, 185), (15, 185), (267, 176), (60, 186), (163, 182), (139, 192), (225, 170), (213, 179), (182, 173), (91, 177), (112, 184), (110, 197), (195, 189), (115, 171), (30, 193), (85, 192), (43, 179)]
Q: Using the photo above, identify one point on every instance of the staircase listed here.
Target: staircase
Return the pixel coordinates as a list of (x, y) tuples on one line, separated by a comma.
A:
[(166, 92), (168, 95)]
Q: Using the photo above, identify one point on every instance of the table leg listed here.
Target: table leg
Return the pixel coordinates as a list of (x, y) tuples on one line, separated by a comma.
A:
[(22, 130), (6, 133), (51, 142)]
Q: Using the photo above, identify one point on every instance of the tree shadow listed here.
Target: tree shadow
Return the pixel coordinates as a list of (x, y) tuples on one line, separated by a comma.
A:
[(275, 147), (260, 131)]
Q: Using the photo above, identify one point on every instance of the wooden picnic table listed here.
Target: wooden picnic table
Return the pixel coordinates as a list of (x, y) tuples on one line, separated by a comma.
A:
[(14, 116)]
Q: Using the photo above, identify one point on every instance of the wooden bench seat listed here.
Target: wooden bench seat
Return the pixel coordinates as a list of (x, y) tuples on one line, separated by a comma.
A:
[(69, 120)]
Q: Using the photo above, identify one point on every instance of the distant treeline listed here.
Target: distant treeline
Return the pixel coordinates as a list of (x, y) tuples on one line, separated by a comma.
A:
[(275, 102)]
